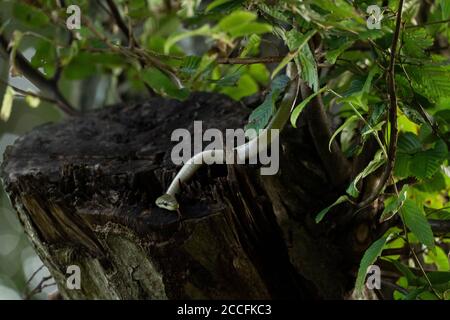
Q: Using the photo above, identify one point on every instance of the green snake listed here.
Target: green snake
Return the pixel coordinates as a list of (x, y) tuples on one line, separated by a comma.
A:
[(168, 200)]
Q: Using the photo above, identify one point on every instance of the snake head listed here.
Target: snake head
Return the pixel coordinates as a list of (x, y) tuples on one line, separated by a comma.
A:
[(168, 202)]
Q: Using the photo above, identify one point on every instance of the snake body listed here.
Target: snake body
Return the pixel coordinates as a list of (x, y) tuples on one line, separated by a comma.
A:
[(250, 149)]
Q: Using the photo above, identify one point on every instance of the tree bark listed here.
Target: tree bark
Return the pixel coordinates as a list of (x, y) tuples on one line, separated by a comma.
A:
[(84, 190)]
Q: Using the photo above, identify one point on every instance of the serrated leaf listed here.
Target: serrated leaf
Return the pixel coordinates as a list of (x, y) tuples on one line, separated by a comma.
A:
[(409, 143), (260, 117), (414, 218), (322, 213), (370, 256), (8, 98), (431, 80), (190, 64), (425, 164), (306, 62), (252, 45), (295, 42), (276, 11), (416, 42)]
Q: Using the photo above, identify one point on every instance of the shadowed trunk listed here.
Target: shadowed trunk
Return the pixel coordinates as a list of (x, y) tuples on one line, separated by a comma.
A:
[(85, 189)]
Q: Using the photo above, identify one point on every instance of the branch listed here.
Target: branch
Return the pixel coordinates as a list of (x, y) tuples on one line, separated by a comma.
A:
[(428, 24), (270, 59), (29, 93), (392, 114), (37, 78), (41, 286), (440, 227), (120, 23)]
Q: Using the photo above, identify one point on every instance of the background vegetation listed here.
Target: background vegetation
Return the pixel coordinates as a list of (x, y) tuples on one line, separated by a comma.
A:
[(387, 90)]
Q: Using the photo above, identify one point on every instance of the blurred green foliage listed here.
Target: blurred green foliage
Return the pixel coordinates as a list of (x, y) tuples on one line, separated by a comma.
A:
[(172, 48)]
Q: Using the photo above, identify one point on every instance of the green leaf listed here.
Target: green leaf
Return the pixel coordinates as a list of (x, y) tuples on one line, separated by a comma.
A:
[(245, 87), (322, 213), (298, 109), (260, 117), (437, 277), (45, 57), (235, 19), (250, 29), (215, 4), (373, 165), (308, 67), (445, 6), (414, 218), (416, 42), (29, 15), (32, 101), (431, 80), (439, 258), (406, 271), (162, 84), (288, 58), (332, 55), (295, 41), (252, 46), (260, 73), (276, 11), (412, 295), (241, 23), (190, 64), (370, 256), (202, 31), (230, 80), (425, 164), (393, 204), (368, 83), (409, 143), (80, 67), (8, 98), (347, 123)]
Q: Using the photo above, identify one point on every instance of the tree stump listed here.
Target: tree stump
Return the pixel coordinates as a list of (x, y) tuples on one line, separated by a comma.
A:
[(84, 190)]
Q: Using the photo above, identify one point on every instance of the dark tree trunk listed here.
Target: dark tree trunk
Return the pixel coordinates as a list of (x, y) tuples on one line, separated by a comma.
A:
[(85, 189)]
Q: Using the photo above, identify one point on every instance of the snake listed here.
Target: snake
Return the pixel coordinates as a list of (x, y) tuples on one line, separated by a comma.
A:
[(168, 200)]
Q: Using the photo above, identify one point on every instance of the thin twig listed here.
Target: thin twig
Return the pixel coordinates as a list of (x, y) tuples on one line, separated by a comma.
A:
[(29, 93), (37, 78), (392, 114), (428, 24), (34, 274), (270, 59), (40, 286), (394, 286), (120, 23)]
